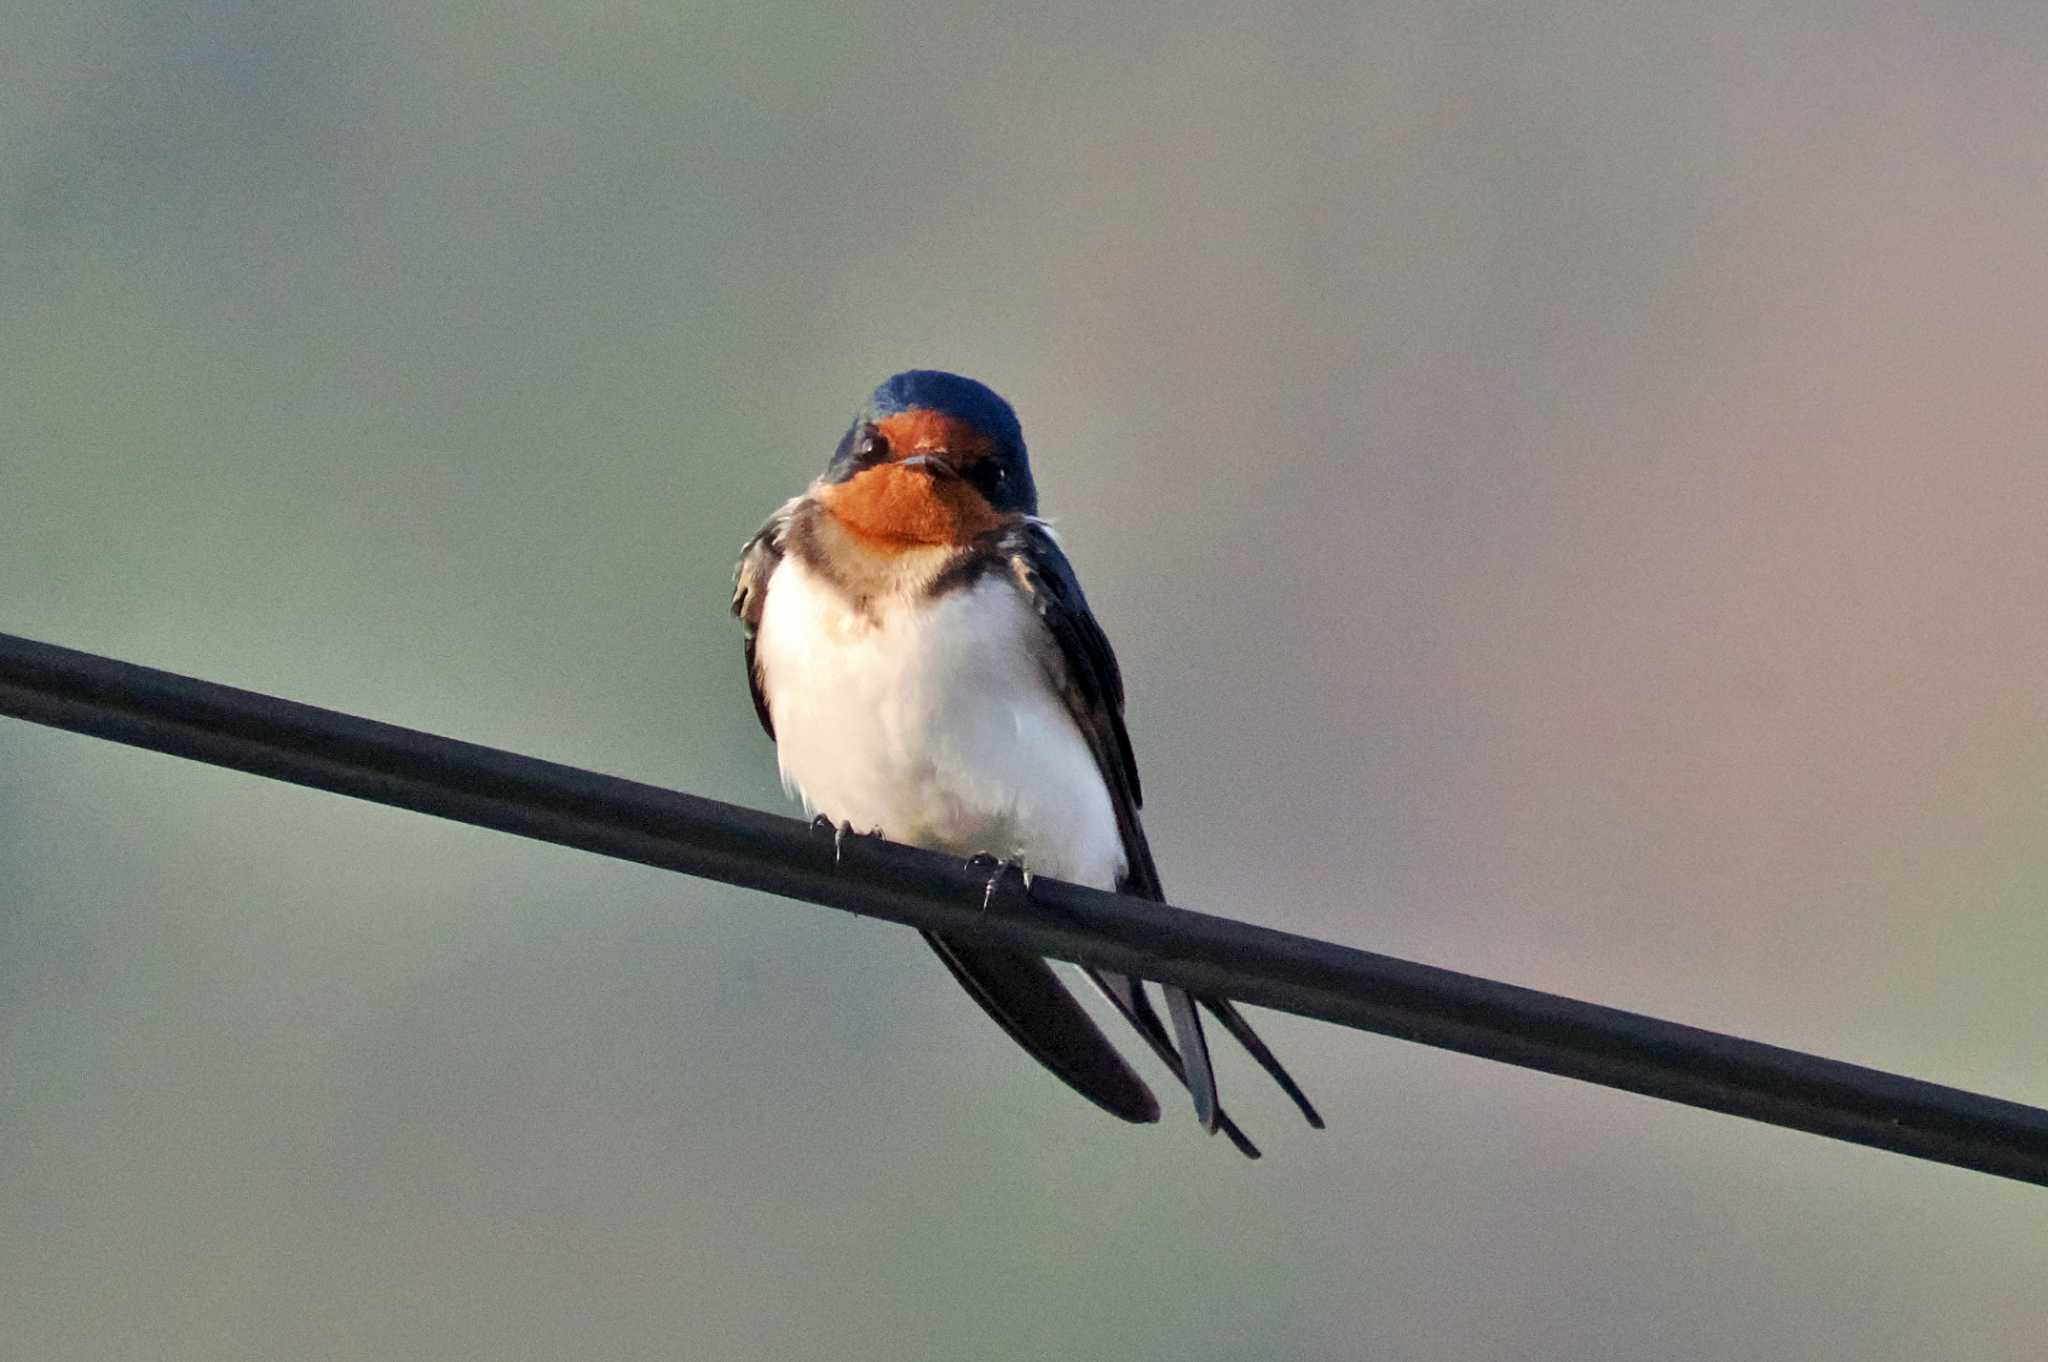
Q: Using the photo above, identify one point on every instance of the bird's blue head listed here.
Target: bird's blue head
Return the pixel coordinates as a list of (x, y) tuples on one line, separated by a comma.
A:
[(952, 432)]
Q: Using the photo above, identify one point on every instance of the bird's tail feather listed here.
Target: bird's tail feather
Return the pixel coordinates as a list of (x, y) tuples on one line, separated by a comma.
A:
[(1127, 995), (1194, 1054), (1027, 1000), (1234, 1022)]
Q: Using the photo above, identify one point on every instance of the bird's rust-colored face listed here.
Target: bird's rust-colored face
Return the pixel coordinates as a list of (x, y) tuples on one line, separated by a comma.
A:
[(917, 484)]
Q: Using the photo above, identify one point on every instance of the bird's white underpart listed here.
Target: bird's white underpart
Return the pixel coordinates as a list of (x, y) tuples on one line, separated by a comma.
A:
[(933, 720)]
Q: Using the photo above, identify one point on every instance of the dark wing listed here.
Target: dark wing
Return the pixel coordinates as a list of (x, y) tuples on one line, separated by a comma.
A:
[(1093, 687), (1087, 677), (750, 592), (1090, 681), (1027, 1000)]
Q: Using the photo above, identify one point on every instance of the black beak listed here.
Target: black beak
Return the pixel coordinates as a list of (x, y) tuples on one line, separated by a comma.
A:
[(936, 464)]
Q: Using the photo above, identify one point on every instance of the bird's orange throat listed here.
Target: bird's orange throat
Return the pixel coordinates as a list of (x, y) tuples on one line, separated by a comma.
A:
[(891, 509)]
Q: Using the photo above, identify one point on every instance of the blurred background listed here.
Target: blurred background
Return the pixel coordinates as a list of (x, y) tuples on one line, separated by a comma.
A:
[(1566, 481)]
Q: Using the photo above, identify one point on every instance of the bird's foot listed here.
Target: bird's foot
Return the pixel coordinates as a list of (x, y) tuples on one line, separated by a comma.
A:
[(1001, 870), (840, 832)]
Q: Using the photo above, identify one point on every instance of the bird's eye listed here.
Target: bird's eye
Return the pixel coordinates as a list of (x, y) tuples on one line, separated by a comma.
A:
[(874, 447)]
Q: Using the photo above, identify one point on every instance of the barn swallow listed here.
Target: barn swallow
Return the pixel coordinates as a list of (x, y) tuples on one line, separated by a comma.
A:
[(922, 655)]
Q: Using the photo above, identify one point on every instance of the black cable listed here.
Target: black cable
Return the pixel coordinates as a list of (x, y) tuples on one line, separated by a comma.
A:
[(408, 769)]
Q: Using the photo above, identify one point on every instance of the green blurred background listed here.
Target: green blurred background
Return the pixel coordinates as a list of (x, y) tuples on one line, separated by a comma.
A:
[(1567, 483)]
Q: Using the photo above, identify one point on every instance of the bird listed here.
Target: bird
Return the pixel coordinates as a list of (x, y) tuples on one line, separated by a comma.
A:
[(920, 651)]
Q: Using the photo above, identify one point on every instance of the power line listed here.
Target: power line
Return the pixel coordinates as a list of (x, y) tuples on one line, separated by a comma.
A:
[(405, 768)]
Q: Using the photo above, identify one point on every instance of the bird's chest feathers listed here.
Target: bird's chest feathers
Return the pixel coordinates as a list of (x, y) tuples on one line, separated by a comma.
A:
[(867, 661), (933, 719)]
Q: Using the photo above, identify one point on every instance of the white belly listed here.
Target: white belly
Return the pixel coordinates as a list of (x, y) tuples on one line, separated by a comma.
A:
[(934, 723)]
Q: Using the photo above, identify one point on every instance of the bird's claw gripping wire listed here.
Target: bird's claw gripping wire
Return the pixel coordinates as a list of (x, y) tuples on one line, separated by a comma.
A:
[(1000, 869), (840, 832)]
